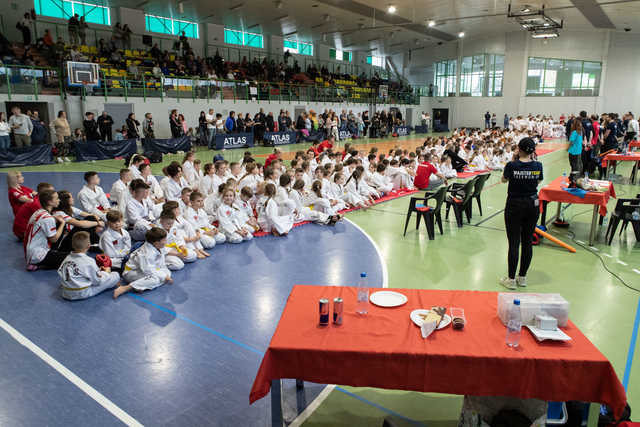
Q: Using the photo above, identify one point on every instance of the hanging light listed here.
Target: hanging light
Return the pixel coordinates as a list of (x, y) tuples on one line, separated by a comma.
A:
[(432, 23), (461, 34), (391, 8)]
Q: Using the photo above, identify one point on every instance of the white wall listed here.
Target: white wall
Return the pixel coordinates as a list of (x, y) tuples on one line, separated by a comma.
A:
[(619, 91)]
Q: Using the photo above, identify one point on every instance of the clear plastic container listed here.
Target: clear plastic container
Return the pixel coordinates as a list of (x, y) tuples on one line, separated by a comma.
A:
[(458, 320), (553, 305), (363, 295), (514, 325)]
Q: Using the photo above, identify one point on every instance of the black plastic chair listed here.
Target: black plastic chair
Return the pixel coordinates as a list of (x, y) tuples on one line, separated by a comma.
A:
[(623, 212), (420, 205), (460, 199), (478, 187), (418, 208)]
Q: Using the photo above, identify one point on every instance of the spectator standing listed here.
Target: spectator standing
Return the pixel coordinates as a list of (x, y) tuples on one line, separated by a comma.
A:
[(505, 121), (230, 124), (183, 123), (90, 126), (258, 125), (5, 130), (366, 121), (73, 25), (25, 27), (632, 130), (487, 120), (494, 120), (22, 127), (240, 127), (62, 131), (211, 125), (282, 123), (174, 124), (270, 123), (202, 128), (105, 123), (39, 133), (82, 30), (147, 127), (132, 126)]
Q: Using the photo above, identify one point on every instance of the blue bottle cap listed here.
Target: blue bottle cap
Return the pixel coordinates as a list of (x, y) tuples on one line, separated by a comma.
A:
[(363, 274), (516, 301)]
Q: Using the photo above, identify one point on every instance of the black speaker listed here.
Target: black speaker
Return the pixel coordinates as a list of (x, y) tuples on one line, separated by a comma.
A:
[(146, 40)]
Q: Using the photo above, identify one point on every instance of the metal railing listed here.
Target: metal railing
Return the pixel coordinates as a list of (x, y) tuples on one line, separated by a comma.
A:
[(36, 81)]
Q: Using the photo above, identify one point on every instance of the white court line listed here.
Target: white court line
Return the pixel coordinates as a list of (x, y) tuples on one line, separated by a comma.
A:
[(593, 248), (607, 255), (73, 378), (635, 270), (621, 262), (580, 241), (320, 398)]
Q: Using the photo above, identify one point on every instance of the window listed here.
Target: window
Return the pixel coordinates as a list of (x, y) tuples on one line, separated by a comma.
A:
[(376, 61), (495, 74), (301, 48), (563, 77), (243, 38), (65, 9), (159, 24), (340, 55), (472, 76), (444, 78)]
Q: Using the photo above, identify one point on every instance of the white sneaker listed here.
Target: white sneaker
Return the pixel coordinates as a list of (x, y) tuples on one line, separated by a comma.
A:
[(66, 159), (521, 281), (508, 283), (59, 160)]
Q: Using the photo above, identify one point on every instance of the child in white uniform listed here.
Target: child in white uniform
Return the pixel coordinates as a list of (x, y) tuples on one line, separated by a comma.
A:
[(80, 275), (230, 220), (115, 240), (353, 191), (243, 204), (381, 182), (146, 268), (189, 170), (119, 194), (172, 187), (177, 253), (190, 234), (139, 210), (197, 217), (303, 213), (269, 217), (252, 178), (446, 169), (317, 202), (92, 198)]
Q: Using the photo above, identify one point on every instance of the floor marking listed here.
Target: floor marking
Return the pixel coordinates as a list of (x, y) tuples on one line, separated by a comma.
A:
[(385, 273), (593, 248), (375, 405), (632, 348), (73, 378), (621, 262), (607, 255), (311, 407), (635, 270), (581, 242), (489, 217)]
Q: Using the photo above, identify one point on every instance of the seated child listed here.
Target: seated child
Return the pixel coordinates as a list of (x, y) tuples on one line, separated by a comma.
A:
[(303, 213), (243, 204), (199, 221), (146, 268), (190, 234), (119, 194), (115, 240), (139, 209), (230, 219), (380, 181), (446, 168), (269, 217), (80, 275), (177, 252), (92, 198)]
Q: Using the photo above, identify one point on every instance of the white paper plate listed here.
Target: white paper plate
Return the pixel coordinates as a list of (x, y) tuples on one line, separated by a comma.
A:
[(387, 299), (418, 320), (541, 335)]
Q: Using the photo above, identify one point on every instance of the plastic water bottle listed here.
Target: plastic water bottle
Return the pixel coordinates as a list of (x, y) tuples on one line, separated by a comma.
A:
[(363, 295), (586, 177), (514, 324)]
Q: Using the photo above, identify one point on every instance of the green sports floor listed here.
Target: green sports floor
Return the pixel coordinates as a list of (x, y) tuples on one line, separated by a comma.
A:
[(474, 258)]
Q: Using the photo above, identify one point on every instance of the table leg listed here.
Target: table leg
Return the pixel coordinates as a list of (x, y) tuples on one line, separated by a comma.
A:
[(559, 210), (543, 218), (594, 414), (594, 222), (301, 399), (276, 404)]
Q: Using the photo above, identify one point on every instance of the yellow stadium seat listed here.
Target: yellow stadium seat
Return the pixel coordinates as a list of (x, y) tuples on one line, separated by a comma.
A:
[(127, 52)]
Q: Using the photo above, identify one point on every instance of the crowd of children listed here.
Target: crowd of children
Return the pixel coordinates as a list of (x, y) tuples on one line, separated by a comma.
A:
[(148, 228)]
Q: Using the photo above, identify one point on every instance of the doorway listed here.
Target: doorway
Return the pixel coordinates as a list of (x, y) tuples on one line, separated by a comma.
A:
[(119, 113), (408, 117), (441, 120), (41, 107)]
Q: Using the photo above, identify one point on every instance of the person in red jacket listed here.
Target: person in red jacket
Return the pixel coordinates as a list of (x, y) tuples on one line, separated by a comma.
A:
[(326, 144), (18, 194), (24, 213), (423, 175), (277, 154)]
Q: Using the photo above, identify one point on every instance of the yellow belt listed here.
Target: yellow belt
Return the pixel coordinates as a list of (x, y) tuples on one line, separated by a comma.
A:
[(127, 268), (177, 248), (206, 229), (75, 289)]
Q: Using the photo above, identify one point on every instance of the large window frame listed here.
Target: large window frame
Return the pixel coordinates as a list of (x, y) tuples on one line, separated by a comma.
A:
[(297, 47), (65, 9), (243, 38), (444, 77), (376, 61), (340, 55), (563, 77), (171, 26), (481, 75)]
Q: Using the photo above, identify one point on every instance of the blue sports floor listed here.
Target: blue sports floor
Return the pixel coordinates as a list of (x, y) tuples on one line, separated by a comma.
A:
[(183, 354)]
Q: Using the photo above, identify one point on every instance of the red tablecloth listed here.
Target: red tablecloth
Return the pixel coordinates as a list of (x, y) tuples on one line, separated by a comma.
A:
[(385, 349), (629, 157), (553, 192), (634, 144), (469, 174)]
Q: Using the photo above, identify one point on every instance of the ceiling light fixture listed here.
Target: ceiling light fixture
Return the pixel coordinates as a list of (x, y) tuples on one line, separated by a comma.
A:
[(432, 23), (461, 34), (525, 9), (545, 34), (391, 9)]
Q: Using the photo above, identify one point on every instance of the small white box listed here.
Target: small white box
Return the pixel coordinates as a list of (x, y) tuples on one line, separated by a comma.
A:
[(546, 323)]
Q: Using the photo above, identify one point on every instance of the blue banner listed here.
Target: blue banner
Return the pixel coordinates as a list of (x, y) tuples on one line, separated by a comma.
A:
[(27, 156), (402, 130), (166, 146), (103, 150), (280, 138), (344, 134), (421, 129), (233, 140), (315, 135)]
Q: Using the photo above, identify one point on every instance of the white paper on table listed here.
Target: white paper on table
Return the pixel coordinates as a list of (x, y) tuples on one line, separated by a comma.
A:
[(427, 328), (542, 335)]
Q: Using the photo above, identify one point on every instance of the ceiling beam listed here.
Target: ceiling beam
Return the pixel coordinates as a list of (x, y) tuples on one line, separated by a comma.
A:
[(594, 13)]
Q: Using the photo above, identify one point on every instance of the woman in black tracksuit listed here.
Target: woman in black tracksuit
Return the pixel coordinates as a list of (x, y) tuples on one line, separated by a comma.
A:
[(521, 211)]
